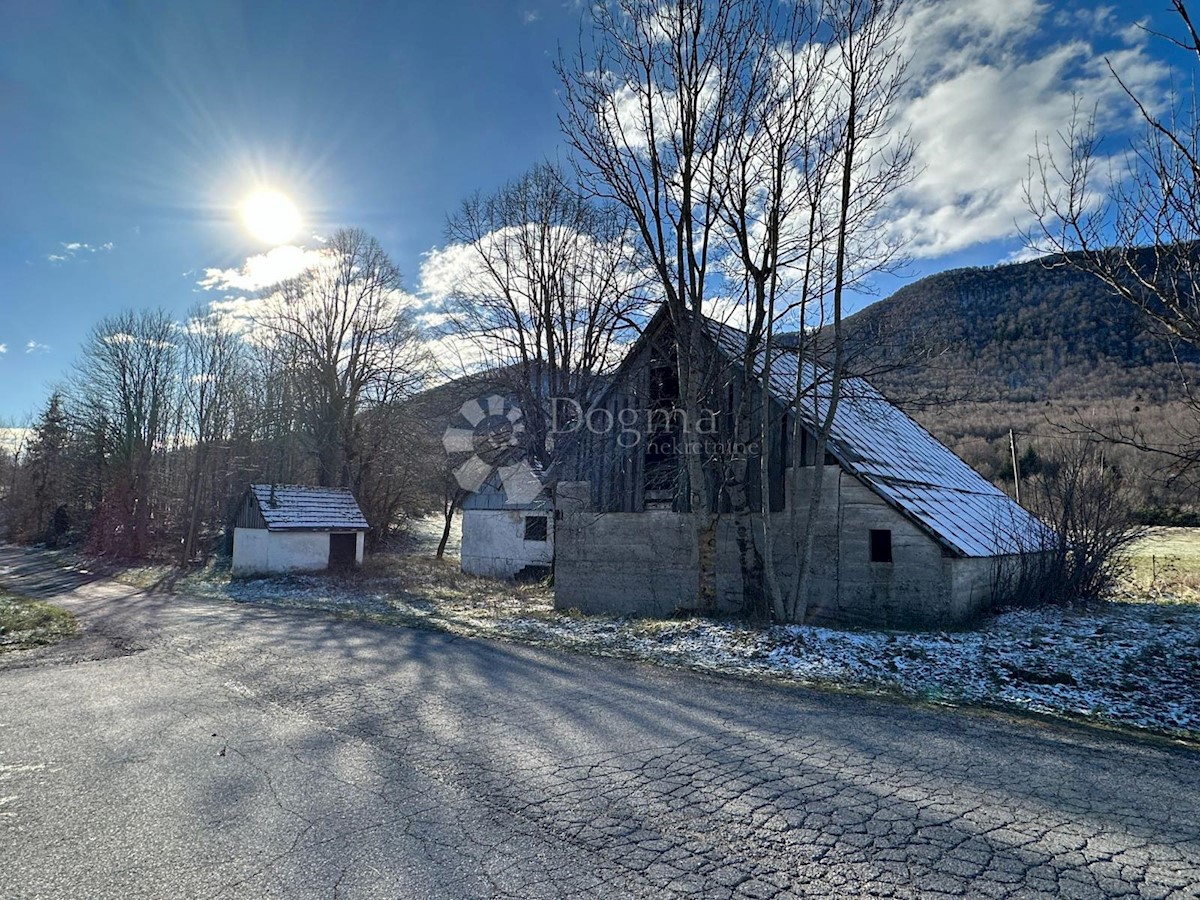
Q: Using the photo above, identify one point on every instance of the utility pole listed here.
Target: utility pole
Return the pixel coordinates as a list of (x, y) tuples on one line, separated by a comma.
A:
[(1012, 447)]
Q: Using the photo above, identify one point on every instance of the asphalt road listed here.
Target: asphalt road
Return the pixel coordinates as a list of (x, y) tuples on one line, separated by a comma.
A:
[(184, 748)]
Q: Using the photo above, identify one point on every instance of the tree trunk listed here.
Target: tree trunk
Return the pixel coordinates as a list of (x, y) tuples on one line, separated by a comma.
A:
[(448, 508), (799, 601)]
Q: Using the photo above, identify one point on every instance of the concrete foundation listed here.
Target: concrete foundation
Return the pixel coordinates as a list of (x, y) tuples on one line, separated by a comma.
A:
[(649, 564)]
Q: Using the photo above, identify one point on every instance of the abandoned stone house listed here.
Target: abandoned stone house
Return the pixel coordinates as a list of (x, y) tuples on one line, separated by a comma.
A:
[(907, 535)]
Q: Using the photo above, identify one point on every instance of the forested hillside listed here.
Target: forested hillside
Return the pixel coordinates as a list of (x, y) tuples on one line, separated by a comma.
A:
[(1044, 350)]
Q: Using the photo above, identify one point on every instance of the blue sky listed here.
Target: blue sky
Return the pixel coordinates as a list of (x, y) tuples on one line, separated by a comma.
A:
[(131, 132)]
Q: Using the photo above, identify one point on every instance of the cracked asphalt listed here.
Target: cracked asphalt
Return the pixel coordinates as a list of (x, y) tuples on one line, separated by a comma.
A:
[(191, 748)]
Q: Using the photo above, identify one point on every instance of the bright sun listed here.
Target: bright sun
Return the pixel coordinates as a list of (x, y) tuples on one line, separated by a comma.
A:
[(271, 217)]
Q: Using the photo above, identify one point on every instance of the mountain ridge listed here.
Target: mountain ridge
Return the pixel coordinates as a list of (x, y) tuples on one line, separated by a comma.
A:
[(1033, 347)]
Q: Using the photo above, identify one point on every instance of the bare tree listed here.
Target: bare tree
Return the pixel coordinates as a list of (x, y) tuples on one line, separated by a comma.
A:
[(282, 451), (808, 171), (126, 384), (214, 388), (872, 161), (36, 485), (1088, 503), (1132, 219), (647, 108), (546, 292), (752, 143), (348, 345)]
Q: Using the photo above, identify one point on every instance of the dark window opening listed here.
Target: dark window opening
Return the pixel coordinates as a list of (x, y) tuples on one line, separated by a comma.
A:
[(536, 528), (881, 545), (664, 386), (660, 469)]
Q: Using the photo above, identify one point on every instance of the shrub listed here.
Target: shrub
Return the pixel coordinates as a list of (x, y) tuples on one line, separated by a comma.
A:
[(1090, 513)]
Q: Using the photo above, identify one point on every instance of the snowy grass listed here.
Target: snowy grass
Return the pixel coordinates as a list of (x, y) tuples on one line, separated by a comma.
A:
[(1132, 662), (26, 623)]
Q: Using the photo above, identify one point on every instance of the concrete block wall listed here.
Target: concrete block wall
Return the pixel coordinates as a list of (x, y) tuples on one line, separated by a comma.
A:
[(824, 571), (637, 564), (911, 591), (647, 563), (973, 585)]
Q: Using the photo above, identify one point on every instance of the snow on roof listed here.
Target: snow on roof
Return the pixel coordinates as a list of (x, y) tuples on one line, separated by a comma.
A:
[(900, 460), (298, 507)]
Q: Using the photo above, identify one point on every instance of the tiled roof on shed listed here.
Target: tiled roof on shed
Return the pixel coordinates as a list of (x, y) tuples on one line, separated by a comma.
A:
[(298, 507), (901, 461)]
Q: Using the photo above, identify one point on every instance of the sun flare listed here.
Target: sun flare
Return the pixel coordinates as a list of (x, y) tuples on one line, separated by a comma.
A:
[(271, 217)]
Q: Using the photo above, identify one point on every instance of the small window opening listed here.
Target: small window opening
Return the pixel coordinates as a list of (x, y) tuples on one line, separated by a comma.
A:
[(881, 545), (660, 462), (535, 528), (664, 385)]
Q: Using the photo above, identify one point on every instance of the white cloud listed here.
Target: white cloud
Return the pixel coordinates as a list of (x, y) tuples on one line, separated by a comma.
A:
[(262, 271), (73, 248), (121, 337), (982, 89), (3, 349), (36, 347), (986, 80), (460, 270), (1025, 254), (252, 297), (445, 269), (461, 276)]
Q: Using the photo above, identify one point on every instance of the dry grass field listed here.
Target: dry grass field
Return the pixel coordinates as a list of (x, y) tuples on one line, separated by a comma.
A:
[(1166, 565)]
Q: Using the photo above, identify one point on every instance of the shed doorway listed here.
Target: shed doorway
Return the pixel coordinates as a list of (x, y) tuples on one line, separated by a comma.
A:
[(343, 550)]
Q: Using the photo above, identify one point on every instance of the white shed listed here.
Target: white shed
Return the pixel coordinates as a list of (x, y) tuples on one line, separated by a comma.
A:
[(506, 538), (295, 527)]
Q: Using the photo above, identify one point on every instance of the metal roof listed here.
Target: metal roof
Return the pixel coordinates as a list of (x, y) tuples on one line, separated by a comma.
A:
[(494, 493), (299, 507), (898, 459)]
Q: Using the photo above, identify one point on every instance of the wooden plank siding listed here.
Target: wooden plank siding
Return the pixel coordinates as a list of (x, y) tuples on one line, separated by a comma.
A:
[(248, 514), (617, 474)]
